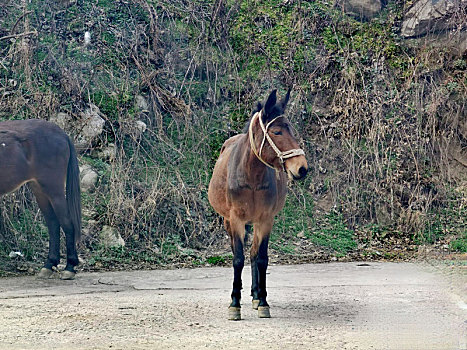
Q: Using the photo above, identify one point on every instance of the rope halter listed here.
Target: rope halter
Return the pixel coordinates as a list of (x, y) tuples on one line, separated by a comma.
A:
[(281, 155)]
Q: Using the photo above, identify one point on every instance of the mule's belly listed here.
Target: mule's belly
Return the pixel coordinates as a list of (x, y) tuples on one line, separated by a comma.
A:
[(11, 186), (13, 174)]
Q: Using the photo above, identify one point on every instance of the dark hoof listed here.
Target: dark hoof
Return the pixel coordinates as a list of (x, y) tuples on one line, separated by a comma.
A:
[(45, 273), (234, 313), (67, 275), (255, 304), (263, 312)]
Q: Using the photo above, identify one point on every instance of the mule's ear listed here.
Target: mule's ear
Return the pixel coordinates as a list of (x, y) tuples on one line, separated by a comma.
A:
[(271, 102), (258, 107), (284, 101)]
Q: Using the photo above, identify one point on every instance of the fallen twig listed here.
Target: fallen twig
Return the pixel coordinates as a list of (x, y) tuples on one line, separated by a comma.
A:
[(18, 35), (19, 19)]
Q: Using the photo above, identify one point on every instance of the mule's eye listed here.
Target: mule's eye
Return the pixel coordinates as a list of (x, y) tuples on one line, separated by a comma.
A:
[(278, 132)]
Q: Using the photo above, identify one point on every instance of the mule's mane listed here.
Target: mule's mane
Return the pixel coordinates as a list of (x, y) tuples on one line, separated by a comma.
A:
[(258, 108)]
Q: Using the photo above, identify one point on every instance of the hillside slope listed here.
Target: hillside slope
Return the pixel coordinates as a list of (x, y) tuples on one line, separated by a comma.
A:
[(381, 113)]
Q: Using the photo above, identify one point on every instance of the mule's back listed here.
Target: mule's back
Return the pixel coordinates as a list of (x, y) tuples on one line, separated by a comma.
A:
[(217, 193), (31, 150)]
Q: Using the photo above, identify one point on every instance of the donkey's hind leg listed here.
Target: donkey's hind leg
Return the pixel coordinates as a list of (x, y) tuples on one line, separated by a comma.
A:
[(53, 226)]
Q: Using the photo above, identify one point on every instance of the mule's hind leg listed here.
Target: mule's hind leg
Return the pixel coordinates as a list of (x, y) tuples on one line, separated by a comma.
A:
[(53, 226), (61, 210), (56, 195), (237, 236), (259, 259)]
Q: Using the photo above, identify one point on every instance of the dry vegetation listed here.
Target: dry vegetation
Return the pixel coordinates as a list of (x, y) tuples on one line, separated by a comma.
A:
[(383, 123)]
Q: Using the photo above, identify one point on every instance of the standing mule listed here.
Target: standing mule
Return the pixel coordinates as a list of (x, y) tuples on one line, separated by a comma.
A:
[(41, 154), (249, 185)]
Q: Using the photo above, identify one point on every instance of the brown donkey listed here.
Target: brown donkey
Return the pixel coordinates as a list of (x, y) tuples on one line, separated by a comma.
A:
[(41, 154), (249, 185)]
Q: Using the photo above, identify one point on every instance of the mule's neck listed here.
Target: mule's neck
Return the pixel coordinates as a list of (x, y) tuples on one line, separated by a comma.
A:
[(254, 168)]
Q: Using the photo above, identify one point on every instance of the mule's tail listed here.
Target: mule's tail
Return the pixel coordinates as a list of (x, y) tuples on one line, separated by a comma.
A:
[(73, 191)]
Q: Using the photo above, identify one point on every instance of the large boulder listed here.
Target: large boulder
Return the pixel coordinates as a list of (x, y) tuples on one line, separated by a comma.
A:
[(91, 125), (85, 129), (430, 16), (63, 120)]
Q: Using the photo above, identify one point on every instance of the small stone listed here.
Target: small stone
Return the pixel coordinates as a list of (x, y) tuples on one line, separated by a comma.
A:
[(109, 237), (87, 38), (15, 254), (89, 178), (141, 104)]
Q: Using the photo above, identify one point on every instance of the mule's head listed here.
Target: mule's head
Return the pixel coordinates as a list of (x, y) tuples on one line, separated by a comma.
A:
[(278, 148)]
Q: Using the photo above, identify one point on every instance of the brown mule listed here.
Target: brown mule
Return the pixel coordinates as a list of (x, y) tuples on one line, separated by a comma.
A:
[(249, 185), (41, 154)]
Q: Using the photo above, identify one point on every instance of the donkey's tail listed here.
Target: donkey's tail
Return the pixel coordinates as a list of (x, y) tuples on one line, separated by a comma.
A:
[(73, 191)]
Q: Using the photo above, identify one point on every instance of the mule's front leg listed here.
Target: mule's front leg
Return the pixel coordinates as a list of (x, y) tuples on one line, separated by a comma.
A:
[(254, 281), (238, 263)]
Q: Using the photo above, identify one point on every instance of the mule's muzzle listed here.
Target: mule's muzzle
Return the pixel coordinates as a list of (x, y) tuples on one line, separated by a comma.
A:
[(297, 167), (301, 173)]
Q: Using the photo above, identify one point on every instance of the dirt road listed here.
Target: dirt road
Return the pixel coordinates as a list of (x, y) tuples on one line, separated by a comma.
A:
[(319, 306)]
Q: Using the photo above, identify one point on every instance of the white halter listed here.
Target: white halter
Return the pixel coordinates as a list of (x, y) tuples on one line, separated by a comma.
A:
[(281, 155)]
